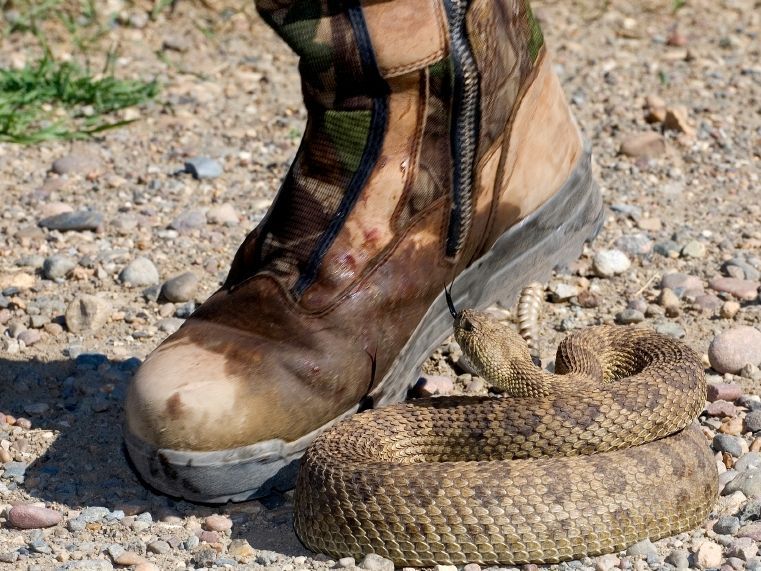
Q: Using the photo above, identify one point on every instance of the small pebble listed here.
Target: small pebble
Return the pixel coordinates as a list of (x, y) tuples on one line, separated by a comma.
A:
[(729, 392), (642, 549), (431, 385), (742, 289), (743, 548), (608, 263), (721, 409), (58, 267), (73, 221), (203, 167), (219, 523), (635, 244), (644, 145), (753, 421), (180, 288), (708, 555), (669, 301), (159, 547), (189, 220), (224, 214), (671, 329), (373, 562), (679, 558), (629, 316), (141, 272), (694, 249), (732, 349), (87, 313), (33, 517), (727, 525), (747, 482), (727, 443)]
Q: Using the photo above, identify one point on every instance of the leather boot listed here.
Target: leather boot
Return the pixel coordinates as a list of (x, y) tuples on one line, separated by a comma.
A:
[(438, 149)]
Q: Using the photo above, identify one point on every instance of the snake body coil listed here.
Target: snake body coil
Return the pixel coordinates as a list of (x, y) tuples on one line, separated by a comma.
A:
[(583, 462)]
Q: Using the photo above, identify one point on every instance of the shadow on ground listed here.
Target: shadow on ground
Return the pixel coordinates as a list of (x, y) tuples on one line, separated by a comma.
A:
[(86, 465)]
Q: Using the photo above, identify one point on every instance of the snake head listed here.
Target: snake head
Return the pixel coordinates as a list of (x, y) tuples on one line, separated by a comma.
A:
[(495, 349)]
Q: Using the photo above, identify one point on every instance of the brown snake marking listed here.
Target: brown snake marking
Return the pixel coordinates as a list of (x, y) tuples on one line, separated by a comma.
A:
[(583, 462)]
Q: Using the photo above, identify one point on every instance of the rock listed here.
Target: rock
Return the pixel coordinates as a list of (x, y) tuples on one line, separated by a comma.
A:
[(373, 562), (445, 568), (87, 313), (681, 283), (241, 549), (694, 249), (752, 530), (669, 301), (676, 120), (753, 421), (651, 224), (671, 329), (57, 267), (180, 288), (729, 392), (679, 558), (655, 109), (129, 558), (707, 302), (607, 562), (747, 482), (729, 444), (146, 566), (731, 350), (224, 214), (608, 263), (708, 555), (727, 525), (743, 548), (644, 145), (741, 289), (203, 167), (159, 547), (16, 280), (189, 220), (667, 248), (209, 536), (729, 309), (430, 385), (676, 39), (139, 273), (36, 408), (588, 299), (751, 371), (561, 292), (740, 269), (642, 549), (77, 163), (33, 517), (635, 244), (472, 567), (73, 221), (219, 523), (29, 337), (629, 316)]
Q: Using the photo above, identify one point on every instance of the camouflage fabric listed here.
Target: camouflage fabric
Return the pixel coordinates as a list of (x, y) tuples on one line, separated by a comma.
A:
[(343, 93)]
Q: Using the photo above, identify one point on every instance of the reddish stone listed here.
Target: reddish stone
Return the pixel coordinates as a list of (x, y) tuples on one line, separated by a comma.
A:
[(33, 517), (724, 391), (721, 408)]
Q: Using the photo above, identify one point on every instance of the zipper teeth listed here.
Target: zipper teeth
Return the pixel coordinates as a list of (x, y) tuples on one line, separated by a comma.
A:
[(466, 119)]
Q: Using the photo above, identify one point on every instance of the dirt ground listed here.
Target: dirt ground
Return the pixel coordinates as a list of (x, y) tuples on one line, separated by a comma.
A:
[(230, 92)]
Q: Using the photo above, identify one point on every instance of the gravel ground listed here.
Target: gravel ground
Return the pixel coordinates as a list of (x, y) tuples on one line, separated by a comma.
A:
[(670, 102)]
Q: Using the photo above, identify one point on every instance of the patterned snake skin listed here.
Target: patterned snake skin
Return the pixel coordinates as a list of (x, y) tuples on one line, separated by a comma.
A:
[(583, 462)]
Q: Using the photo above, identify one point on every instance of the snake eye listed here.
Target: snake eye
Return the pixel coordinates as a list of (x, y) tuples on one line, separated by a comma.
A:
[(467, 324)]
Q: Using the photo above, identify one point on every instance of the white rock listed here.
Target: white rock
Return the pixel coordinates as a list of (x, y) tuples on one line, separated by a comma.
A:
[(608, 263)]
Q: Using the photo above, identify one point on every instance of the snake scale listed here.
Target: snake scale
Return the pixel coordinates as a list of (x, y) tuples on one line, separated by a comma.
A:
[(586, 461)]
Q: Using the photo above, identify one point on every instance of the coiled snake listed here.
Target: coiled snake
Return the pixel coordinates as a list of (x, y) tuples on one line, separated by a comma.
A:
[(586, 461)]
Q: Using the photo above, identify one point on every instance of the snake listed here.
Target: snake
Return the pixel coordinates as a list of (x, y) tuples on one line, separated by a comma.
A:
[(600, 454)]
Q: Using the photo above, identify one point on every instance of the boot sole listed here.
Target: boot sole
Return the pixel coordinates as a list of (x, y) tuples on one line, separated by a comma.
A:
[(553, 235)]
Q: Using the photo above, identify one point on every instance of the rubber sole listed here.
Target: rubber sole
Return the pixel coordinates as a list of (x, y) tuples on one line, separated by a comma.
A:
[(553, 235)]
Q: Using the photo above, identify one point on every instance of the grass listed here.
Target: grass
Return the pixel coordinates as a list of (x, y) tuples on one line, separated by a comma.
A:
[(52, 100)]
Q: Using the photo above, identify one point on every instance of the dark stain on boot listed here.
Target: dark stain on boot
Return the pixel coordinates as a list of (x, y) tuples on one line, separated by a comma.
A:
[(174, 407)]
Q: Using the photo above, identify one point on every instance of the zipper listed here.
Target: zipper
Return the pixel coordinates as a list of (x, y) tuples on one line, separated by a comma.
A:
[(465, 119)]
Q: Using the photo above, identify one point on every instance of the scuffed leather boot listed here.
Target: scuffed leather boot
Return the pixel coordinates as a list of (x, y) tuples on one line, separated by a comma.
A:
[(438, 148)]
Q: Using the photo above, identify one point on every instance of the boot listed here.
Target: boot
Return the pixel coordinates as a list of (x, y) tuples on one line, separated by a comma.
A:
[(439, 149)]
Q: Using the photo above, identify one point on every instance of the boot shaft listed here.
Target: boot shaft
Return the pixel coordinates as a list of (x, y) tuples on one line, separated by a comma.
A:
[(459, 66)]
